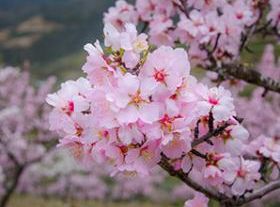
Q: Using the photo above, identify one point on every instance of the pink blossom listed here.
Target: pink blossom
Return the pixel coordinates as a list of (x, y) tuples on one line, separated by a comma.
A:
[(218, 100), (97, 67), (240, 11), (71, 97), (108, 153), (146, 8), (265, 146), (195, 25), (121, 14), (142, 159), (218, 169), (131, 104), (233, 139), (247, 172), (127, 40), (159, 33), (158, 72), (176, 147), (199, 201), (186, 164)]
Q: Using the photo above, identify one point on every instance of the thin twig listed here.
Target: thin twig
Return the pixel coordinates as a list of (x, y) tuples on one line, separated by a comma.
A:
[(185, 7), (199, 154), (210, 134), (216, 43), (249, 75)]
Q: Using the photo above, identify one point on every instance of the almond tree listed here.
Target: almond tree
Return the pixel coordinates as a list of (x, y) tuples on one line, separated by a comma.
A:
[(24, 134), (139, 106)]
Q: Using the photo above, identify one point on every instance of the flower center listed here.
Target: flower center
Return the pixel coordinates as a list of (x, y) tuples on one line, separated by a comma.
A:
[(213, 159), (239, 15), (159, 75), (166, 122), (212, 29), (119, 22), (226, 135), (124, 149), (103, 134), (213, 101), (137, 99), (79, 130), (146, 154), (140, 45), (69, 109), (241, 173)]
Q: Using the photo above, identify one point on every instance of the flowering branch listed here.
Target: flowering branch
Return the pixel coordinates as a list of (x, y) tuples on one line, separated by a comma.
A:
[(259, 193), (164, 164), (149, 104), (241, 200), (239, 71), (184, 6), (236, 70), (210, 134)]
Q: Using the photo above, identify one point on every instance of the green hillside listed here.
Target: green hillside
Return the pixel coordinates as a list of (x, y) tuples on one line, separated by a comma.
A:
[(44, 32)]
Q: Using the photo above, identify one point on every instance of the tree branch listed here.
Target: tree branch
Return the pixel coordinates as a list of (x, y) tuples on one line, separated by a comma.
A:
[(12, 187), (223, 199), (238, 71), (185, 7), (249, 75), (164, 164), (210, 134), (259, 193)]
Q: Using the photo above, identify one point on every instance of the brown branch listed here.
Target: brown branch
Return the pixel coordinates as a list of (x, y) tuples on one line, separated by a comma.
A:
[(223, 199), (12, 187), (179, 5), (245, 37), (184, 7), (249, 75), (199, 154), (216, 44), (259, 193), (164, 164), (210, 134)]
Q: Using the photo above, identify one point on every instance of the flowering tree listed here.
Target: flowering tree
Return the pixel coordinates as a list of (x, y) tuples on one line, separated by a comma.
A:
[(140, 107), (24, 134)]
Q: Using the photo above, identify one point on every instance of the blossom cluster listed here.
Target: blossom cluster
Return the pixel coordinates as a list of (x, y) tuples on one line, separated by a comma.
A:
[(264, 130), (218, 27), (133, 110)]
